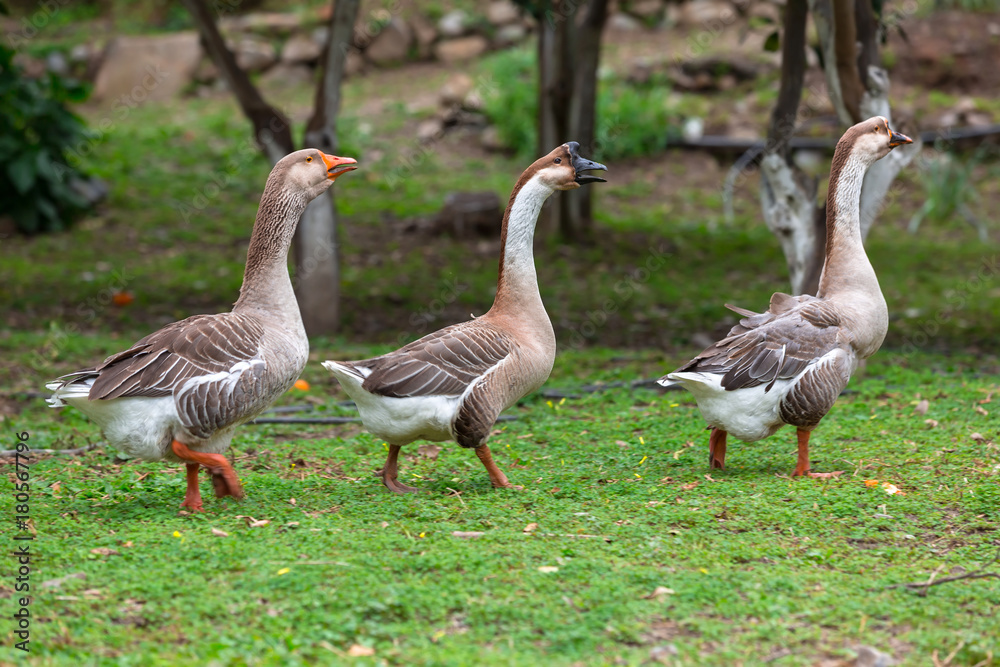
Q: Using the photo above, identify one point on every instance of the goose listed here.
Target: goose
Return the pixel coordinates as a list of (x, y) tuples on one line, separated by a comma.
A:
[(788, 364), (179, 393), (454, 383)]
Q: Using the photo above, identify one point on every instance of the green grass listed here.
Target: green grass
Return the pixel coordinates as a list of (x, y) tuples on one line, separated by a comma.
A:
[(758, 564)]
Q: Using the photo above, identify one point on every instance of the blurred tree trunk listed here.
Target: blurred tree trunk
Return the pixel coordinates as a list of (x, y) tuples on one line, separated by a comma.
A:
[(858, 88), (317, 261), (568, 57)]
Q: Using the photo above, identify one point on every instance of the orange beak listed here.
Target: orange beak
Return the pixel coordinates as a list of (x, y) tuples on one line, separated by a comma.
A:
[(335, 166)]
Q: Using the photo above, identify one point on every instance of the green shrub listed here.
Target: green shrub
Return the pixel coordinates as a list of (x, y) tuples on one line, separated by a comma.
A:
[(36, 131), (631, 120)]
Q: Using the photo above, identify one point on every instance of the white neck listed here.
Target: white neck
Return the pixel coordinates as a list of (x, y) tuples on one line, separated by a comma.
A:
[(518, 283), (847, 268)]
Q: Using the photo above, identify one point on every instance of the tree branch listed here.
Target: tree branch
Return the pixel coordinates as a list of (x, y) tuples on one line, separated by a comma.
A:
[(975, 574), (793, 64)]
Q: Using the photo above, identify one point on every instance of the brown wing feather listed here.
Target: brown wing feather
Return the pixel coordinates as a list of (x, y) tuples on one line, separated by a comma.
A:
[(777, 344), (443, 363)]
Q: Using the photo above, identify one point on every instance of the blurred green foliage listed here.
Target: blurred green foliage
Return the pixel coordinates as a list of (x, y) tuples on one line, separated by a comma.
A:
[(631, 120)]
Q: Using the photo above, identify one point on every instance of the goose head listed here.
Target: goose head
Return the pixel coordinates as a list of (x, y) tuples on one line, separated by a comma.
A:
[(872, 139), (311, 171), (563, 168)]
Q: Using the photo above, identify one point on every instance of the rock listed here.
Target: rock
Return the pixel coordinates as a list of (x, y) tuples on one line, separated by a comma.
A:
[(254, 54), (391, 44), (455, 89), (502, 12), (355, 63), (56, 63), (469, 214), (510, 34), (462, 48), (81, 53), (429, 130), (272, 23), (693, 129), (424, 34), (870, 657), (207, 72), (300, 49), (490, 139), (453, 24), (624, 23), (153, 67), (707, 13), (473, 101), (284, 75)]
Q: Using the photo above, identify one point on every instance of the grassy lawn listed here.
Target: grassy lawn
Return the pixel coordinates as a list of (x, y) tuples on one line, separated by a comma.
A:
[(758, 566)]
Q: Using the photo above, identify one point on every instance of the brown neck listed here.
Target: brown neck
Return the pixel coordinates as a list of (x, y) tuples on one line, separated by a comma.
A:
[(266, 279), (846, 267)]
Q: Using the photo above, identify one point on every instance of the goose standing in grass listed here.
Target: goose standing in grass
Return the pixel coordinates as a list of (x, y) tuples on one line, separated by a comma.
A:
[(454, 383), (788, 365), (179, 393)]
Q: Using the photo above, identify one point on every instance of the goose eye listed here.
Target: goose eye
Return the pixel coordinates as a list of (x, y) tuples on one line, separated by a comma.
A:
[(309, 159), (558, 160)]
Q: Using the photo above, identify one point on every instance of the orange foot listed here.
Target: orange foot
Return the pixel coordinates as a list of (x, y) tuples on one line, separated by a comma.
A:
[(224, 479), (192, 498)]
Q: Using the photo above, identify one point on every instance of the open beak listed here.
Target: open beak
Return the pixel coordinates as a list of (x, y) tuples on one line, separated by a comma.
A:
[(897, 139), (582, 164), (335, 166)]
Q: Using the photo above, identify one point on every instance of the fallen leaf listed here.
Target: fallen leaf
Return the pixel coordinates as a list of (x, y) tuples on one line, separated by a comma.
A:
[(95, 592), (104, 551), (660, 591), (122, 298), (530, 527), (384, 524), (548, 568), (982, 411), (871, 482), (931, 422), (622, 444), (258, 524), (284, 570), (359, 651), (429, 451), (709, 478), (892, 489), (55, 487), (301, 385), (219, 533), (978, 437), (467, 535), (922, 407), (690, 485)]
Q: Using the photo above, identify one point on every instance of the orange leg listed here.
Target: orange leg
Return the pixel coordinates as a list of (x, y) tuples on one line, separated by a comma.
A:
[(802, 466), (717, 448), (389, 472), (497, 477), (224, 478), (192, 499)]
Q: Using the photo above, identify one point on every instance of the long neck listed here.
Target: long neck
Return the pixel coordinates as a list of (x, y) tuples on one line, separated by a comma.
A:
[(266, 283), (846, 268), (517, 285)]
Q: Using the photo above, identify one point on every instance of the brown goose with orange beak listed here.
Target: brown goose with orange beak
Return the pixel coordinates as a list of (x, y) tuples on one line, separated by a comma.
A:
[(180, 393), (788, 364)]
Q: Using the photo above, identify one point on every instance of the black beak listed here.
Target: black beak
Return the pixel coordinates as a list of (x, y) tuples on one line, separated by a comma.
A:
[(897, 139), (581, 164)]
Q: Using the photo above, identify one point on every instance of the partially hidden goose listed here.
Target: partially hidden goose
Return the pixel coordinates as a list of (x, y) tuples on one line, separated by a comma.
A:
[(788, 365), (179, 393), (454, 383)]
